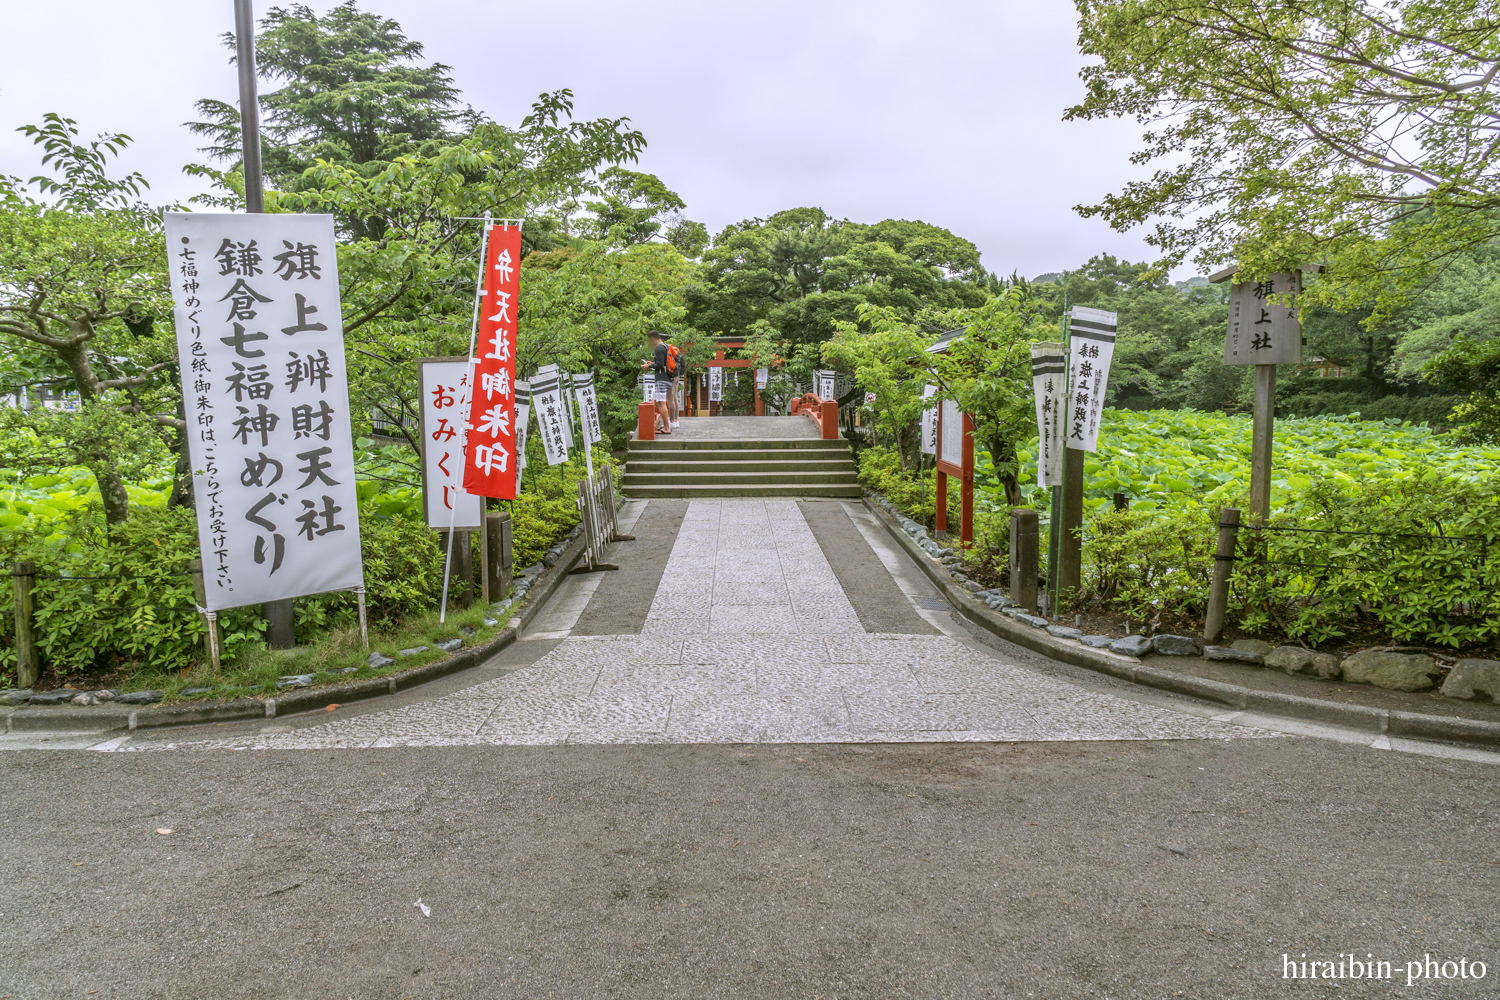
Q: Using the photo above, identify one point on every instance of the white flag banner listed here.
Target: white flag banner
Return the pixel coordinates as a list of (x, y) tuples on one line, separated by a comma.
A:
[(716, 384), (546, 397), (1049, 372), (523, 418), (1091, 349), (1262, 331), (444, 391), (648, 388), (761, 375), (929, 423), (588, 407), (826, 384), (260, 345)]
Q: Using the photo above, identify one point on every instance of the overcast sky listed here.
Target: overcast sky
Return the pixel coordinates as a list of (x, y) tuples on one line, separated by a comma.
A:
[(949, 112)]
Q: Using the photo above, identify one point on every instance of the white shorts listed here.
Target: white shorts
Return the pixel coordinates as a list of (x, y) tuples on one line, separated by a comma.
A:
[(663, 387)]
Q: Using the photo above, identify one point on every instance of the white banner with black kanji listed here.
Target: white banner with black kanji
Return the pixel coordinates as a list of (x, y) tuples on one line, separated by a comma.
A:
[(260, 343)]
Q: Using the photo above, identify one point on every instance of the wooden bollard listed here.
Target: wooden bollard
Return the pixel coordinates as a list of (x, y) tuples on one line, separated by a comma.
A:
[(28, 668), (1024, 554), (1218, 591)]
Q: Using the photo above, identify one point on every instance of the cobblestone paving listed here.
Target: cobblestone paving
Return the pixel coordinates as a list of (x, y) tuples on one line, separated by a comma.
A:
[(751, 639)]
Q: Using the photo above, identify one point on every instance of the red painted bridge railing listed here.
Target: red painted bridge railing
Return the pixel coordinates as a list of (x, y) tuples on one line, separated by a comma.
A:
[(823, 412)]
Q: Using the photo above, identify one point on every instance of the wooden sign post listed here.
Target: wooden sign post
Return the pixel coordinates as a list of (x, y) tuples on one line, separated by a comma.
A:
[(1264, 331)]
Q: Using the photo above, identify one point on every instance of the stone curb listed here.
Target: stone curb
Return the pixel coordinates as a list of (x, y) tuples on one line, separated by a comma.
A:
[(1414, 725), (111, 716)]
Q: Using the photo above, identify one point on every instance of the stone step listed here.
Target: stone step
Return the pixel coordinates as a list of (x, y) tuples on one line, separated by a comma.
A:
[(724, 465), (710, 479), (724, 492)]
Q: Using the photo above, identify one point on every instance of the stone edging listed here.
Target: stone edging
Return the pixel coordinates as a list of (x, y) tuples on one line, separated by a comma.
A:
[(1416, 725), (111, 716)]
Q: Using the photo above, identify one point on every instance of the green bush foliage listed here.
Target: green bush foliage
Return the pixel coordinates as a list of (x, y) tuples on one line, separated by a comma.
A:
[(1334, 474)]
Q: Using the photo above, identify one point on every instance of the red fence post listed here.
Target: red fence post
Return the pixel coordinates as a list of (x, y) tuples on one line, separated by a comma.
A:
[(830, 422), (645, 422)]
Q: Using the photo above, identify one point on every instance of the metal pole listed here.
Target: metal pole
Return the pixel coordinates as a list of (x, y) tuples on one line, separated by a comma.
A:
[(1055, 527), (1260, 448), (281, 627), (364, 626), (244, 48), (463, 405), (1218, 593)]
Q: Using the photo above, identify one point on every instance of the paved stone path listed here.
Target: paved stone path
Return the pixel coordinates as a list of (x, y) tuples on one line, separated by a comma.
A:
[(750, 638)]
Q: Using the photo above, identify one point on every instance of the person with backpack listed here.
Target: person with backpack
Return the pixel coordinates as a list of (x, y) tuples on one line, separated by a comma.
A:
[(660, 366), (677, 364)]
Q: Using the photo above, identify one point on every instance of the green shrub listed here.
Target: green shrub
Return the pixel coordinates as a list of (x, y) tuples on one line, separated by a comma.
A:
[(1376, 566)]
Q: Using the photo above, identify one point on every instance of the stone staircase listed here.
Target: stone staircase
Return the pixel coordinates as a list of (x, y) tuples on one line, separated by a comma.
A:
[(807, 467)]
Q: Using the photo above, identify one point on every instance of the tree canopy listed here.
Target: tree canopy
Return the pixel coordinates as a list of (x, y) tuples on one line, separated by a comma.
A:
[(800, 270), (1358, 135)]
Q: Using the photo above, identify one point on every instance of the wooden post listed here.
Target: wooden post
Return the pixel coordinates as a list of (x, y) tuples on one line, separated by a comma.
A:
[(645, 422), (496, 555), (1260, 447), (1023, 557), (1122, 502), (940, 508), (1218, 592), (829, 422), (461, 570), (28, 668), (1054, 527), (1070, 541), (281, 625)]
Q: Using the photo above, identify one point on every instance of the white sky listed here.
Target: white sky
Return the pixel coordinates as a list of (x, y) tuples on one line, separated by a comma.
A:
[(946, 112)]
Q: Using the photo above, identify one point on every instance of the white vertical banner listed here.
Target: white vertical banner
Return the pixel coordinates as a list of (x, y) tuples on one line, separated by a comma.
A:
[(826, 379), (523, 419), (1091, 348), (1049, 372), (761, 375), (444, 385), (260, 345), (546, 398), (929, 423), (588, 408), (716, 384)]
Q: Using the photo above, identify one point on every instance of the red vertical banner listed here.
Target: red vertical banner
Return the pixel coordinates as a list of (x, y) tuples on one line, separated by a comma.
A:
[(490, 455)]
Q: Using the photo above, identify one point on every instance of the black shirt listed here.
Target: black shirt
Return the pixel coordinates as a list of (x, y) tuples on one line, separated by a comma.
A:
[(659, 364)]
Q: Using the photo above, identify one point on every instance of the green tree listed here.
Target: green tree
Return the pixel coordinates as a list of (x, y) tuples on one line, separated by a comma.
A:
[(352, 94), (82, 282), (799, 271), (985, 367), (1354, 134), (635, 207), (1474, 368)]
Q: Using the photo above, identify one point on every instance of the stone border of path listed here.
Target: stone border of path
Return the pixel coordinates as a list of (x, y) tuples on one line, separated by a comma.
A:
[(1389, 722), (110, 716)]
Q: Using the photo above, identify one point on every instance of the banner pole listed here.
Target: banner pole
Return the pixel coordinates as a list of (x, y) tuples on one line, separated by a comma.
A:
[(484, 246)]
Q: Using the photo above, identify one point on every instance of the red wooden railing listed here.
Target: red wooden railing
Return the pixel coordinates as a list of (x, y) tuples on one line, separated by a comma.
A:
[(823, 412)]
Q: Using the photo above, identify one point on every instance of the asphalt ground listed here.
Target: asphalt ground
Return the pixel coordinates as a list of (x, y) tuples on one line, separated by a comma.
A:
[(720, 871), (1084, 869)]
